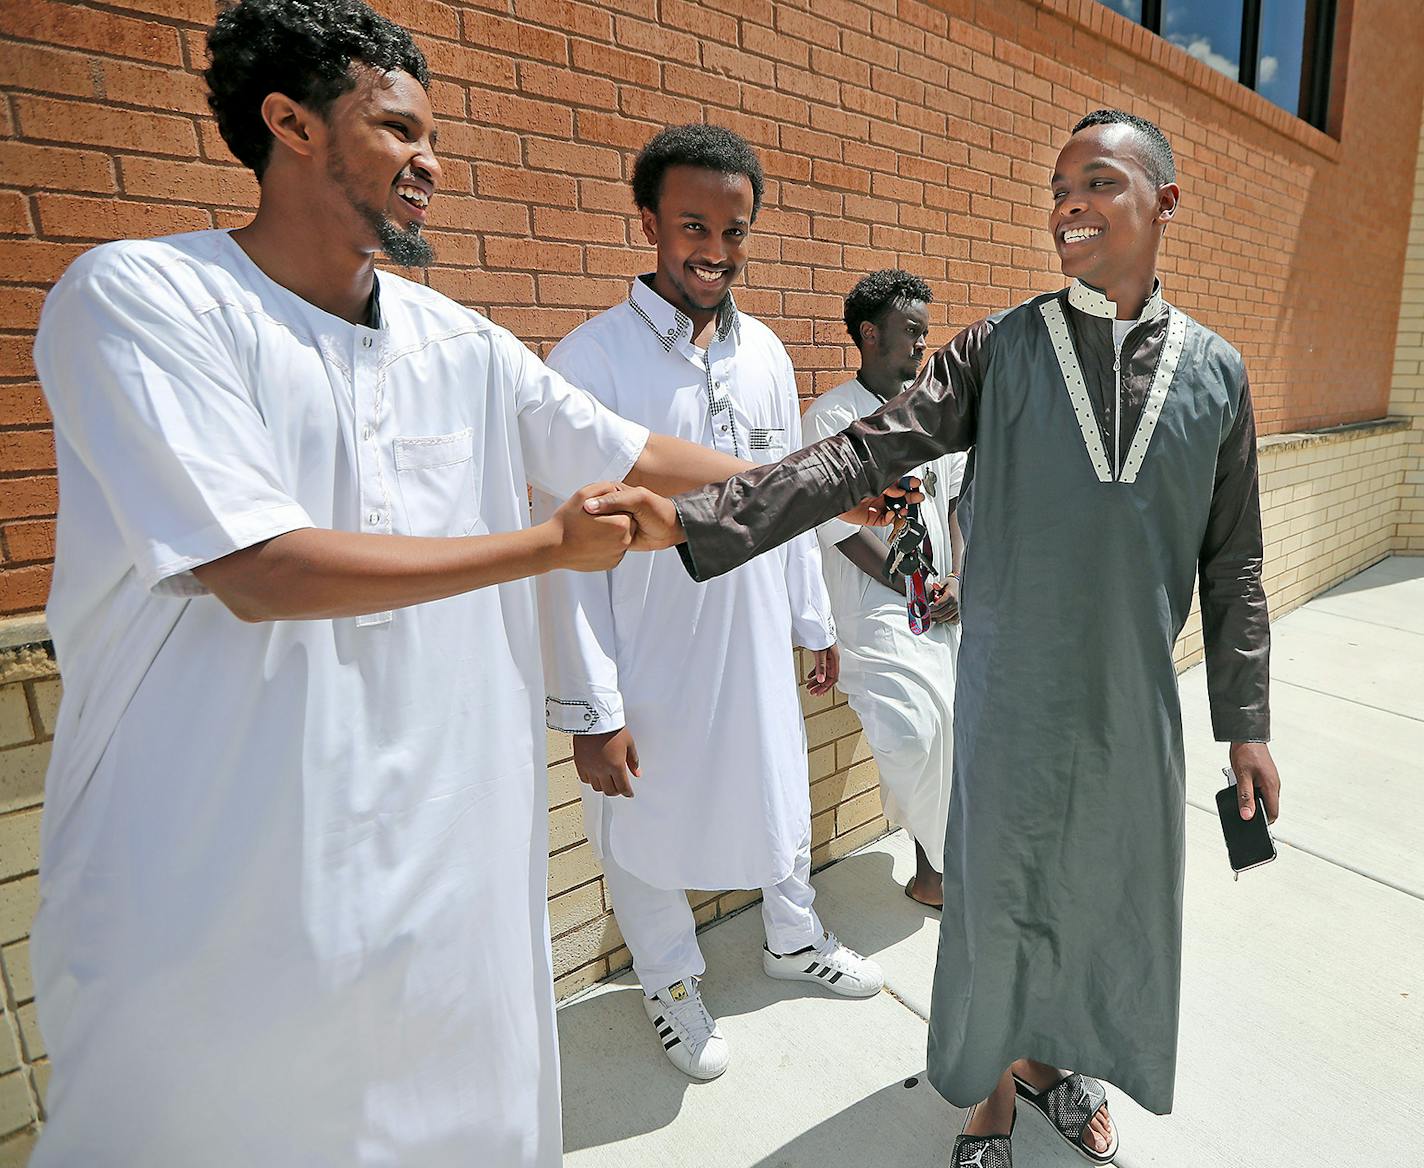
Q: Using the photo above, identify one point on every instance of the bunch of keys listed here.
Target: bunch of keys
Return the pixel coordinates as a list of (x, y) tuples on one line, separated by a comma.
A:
[(912, 557)]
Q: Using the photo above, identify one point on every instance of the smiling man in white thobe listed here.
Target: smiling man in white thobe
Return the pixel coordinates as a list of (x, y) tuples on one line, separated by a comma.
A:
[(693, 688), (293, 872), (900, 682)]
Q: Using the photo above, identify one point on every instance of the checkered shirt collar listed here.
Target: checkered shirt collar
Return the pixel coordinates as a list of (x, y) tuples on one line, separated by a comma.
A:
[(670, 325)]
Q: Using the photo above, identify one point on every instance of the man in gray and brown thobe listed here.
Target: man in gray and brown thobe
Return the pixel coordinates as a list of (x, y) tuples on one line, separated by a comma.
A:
[(1114, 461)]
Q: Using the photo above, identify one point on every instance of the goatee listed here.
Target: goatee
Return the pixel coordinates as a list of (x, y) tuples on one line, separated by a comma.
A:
[(407, 248)]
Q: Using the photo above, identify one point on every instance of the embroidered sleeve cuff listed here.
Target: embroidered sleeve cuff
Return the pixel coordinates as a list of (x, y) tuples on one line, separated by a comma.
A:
[(587, 714)]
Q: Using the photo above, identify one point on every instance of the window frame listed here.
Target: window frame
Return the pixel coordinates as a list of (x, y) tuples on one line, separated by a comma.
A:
[(1319, 76)]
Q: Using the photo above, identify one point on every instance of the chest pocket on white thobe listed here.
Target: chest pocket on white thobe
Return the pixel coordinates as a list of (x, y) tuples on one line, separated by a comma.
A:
[(439, 489)]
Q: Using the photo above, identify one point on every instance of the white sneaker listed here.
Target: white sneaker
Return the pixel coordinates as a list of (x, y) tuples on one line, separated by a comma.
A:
[(688, 1033), (842, 970)]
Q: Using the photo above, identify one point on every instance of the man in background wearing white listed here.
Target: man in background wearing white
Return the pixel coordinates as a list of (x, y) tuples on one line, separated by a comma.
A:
[(900, 684)]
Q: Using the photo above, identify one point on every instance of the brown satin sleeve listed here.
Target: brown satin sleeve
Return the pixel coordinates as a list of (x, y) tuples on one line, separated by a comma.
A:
[(1235, 625), (729, 523)]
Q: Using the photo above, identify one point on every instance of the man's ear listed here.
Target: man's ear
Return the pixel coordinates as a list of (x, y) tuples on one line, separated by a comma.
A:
[(293, 125), (1168, 196), (650, 224), (869, 335)]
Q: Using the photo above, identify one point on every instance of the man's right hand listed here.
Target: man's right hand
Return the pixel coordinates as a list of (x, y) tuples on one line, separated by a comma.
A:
[(604, 761), (589, 543), (881, 510), (656, 521)]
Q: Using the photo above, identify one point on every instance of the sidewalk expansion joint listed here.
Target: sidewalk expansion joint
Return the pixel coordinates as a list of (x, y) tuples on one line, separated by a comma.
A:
[(904, 1002), (1325, 693), (1332, 860)]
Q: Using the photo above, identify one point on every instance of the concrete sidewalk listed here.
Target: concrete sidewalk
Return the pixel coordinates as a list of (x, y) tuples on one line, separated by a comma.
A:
[(1303, 984)]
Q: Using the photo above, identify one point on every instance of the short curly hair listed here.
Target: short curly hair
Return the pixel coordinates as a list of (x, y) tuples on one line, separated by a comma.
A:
[(301, 48), (711, 147), (1156, 150), (879, 291)]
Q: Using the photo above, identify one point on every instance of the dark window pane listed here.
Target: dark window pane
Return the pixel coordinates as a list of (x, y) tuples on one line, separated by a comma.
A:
[(1209, 30), (1132, 9), (1282, 43)]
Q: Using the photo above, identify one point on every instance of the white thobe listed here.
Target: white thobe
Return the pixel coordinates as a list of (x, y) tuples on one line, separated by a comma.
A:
[(293, 873), (702, 674), (901, 685)]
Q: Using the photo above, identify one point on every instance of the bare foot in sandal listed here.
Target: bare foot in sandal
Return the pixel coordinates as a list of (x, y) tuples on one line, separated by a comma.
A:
[(1098, 1133), (927, 886)]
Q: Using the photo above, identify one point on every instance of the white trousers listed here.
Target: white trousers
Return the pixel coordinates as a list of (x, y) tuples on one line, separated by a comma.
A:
[(660, 932)]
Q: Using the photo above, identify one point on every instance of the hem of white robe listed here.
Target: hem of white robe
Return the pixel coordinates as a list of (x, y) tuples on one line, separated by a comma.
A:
[(598, 828), (699, 881)]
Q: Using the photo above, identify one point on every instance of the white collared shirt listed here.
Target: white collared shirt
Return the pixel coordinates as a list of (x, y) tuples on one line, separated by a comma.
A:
[(297, 860), (701, 674)]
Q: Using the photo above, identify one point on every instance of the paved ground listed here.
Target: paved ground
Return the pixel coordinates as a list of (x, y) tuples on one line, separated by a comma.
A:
[(1303, 985)]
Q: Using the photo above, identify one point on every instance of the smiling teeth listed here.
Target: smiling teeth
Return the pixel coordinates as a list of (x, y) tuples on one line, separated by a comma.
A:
[(706, 277), (1078, 234), (414, 195)]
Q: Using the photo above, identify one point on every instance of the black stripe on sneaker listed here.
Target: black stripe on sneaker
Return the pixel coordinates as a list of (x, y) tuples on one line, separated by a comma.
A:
[(671, 1042), (835, 977), (811, 969), (665, 1031)]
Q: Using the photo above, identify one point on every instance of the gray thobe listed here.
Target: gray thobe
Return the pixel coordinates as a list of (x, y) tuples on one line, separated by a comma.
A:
[(1104, 482)]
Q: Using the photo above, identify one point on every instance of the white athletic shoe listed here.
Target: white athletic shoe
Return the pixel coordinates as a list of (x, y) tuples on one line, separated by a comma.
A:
[(688, 1033), (831, 964)]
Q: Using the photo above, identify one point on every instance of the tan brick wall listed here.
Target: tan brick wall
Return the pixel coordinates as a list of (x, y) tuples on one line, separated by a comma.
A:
[(912, 133), (1407, 396), (29, 700), (1329, 507)]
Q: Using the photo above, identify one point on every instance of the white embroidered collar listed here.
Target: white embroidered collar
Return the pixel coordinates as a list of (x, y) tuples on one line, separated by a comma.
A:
[(671, 325), (1088, 300)]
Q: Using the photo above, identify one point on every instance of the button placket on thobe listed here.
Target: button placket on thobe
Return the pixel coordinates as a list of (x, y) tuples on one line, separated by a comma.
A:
[(371, 476), (715, 363)]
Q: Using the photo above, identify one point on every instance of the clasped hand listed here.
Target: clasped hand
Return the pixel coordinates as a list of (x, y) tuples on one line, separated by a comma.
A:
[(656, 525)]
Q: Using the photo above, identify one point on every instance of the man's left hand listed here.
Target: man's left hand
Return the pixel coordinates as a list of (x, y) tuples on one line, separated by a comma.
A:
[(1256, 774), (826, 671), (945, 608)]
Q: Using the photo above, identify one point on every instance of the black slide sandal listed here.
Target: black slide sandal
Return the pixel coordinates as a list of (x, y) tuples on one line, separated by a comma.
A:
[(1068, 1105)]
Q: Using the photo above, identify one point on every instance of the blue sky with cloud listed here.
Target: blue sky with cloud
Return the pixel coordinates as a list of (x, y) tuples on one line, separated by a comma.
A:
[(1210, 30)]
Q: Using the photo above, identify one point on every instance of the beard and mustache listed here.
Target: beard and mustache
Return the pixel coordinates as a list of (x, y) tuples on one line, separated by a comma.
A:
[(404, 246)]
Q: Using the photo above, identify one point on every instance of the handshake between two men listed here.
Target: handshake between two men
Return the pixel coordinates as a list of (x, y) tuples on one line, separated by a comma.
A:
[(597, 525)]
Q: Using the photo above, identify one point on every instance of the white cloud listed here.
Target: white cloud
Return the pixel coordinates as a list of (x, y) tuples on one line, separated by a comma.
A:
[(1200, 48), (1270, 66)]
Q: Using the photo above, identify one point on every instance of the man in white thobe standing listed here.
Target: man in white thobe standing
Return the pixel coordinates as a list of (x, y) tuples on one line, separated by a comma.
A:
[(693, 688), (900, 684), (293, 872)]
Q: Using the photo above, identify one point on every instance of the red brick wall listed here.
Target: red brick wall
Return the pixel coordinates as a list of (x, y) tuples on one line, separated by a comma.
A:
[(917, 135)]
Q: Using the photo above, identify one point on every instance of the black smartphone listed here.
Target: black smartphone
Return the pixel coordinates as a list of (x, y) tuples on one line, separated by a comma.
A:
[(1248, 841)]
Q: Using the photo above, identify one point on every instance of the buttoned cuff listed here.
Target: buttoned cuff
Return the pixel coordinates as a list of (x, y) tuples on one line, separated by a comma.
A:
[(587, 713)]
